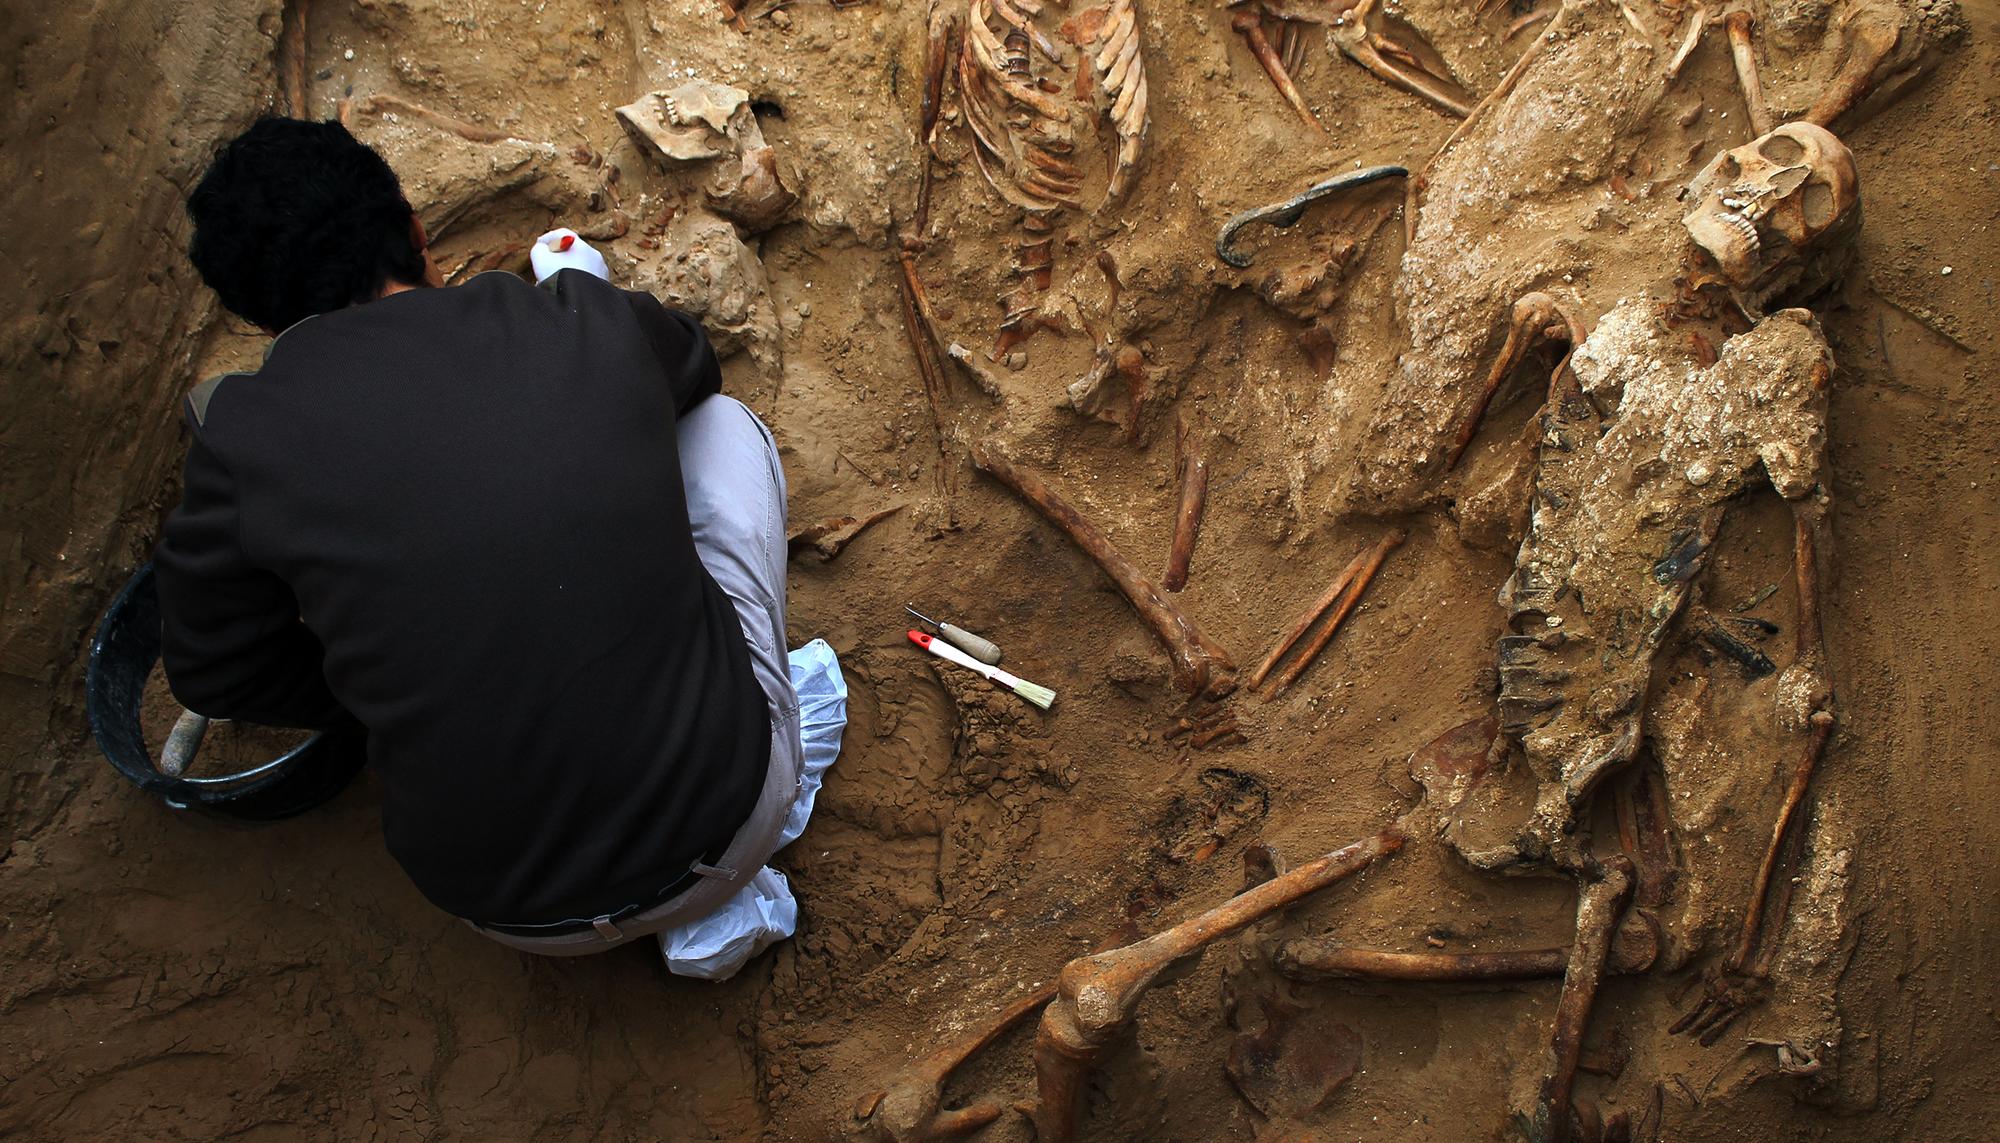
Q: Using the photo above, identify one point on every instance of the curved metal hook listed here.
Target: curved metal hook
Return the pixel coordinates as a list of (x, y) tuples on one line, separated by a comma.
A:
[(1288, 212)]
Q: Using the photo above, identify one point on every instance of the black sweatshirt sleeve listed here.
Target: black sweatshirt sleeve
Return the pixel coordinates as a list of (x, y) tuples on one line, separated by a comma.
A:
[(682, 347), (232, 641)]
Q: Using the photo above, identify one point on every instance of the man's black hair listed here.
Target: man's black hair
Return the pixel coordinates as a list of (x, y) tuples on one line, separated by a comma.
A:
[(296, 218)]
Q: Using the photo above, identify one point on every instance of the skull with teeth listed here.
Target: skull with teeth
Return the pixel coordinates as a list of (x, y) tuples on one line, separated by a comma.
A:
[(1764, 211)]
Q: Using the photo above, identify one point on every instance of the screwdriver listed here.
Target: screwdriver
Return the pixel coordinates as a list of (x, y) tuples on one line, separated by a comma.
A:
[(980, 649)]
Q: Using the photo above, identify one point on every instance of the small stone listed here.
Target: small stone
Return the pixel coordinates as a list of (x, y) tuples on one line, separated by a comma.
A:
[(1555, 621), (805, 308), (1946, 271), (1699, 473), (781, 18), (1017, 360), (348, 54)]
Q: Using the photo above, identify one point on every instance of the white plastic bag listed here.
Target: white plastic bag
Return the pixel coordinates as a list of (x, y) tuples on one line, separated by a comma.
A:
[(549, 255), (716, 946), (764, 911)]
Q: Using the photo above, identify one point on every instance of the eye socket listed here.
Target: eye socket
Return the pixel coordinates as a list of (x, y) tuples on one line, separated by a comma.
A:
[(1788, 180), (1781, 149), (1817, 205)]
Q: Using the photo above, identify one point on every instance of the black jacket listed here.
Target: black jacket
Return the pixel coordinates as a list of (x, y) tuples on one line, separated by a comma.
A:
[(457, 515)]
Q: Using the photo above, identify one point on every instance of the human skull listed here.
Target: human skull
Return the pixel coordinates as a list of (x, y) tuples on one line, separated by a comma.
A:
[(701, 122), (1761, 209)]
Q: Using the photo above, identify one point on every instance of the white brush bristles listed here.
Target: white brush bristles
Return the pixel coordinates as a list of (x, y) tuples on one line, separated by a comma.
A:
[(1035, 693)]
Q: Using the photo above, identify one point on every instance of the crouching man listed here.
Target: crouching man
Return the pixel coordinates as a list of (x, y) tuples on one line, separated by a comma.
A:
[(515, 532)]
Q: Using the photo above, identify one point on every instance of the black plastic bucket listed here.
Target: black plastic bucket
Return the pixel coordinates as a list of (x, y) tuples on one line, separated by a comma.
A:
[(122, 657)]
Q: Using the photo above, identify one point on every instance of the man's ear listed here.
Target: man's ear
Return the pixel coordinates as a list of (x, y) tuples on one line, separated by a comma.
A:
[(421, 242)]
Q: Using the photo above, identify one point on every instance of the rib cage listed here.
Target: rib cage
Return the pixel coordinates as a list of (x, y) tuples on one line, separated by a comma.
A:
[(1024, 136)]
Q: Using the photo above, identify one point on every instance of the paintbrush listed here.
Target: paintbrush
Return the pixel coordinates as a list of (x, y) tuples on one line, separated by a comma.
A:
[(1035, 693)]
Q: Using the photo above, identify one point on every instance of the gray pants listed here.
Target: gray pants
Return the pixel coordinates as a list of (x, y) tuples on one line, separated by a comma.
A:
[(736, 502)]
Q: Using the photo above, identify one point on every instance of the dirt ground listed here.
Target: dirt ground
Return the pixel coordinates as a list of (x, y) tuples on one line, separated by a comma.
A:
[(171, 976)]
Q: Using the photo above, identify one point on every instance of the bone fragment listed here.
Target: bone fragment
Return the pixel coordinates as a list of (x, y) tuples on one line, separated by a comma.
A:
[(1361, 38), (1097, 995), (1199, 666), (1187, 523), (834, 533), (1308, 618), (981, 376), (1696, 24), (1249, 23), (1634, 949), (1292, 46), (941, 47), (292, 58), (1869, 38), (1500, 92), (908, 1111), (1528, 21), (1744, 52), (922, 336), (1344, 601), (1534, 315)]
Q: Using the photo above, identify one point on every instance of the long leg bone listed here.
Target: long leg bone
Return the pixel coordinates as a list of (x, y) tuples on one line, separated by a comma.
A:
[(1098, 994), (1200, 667), (908, 1111), (1364, 569), (1739, 983), (1598, 906), (1187, 522)]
